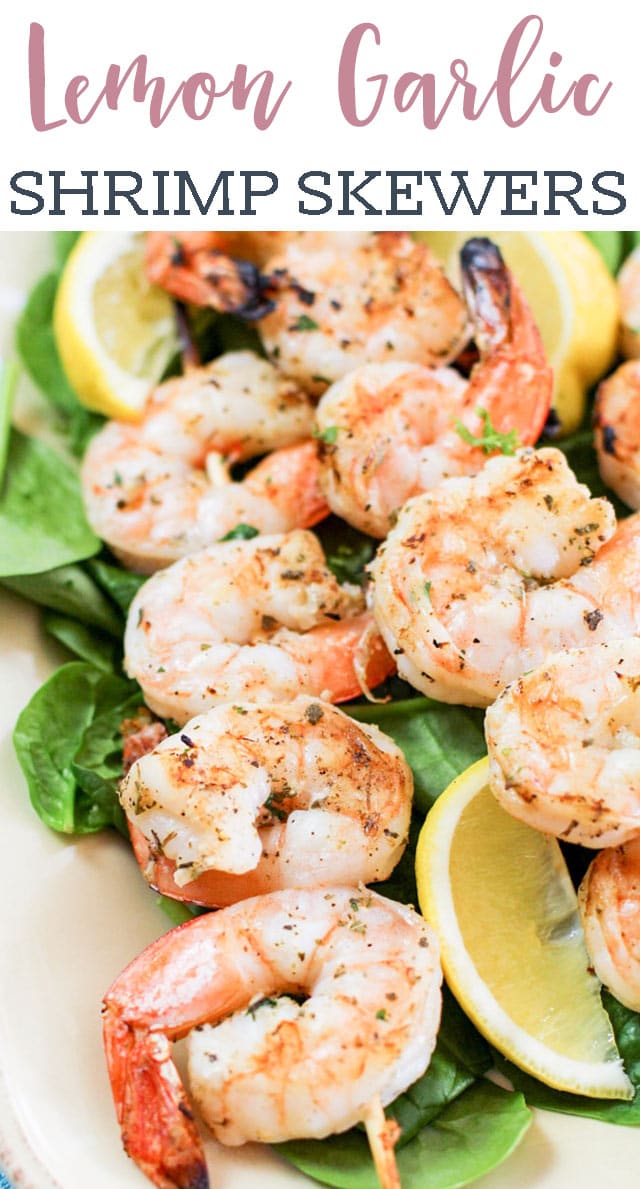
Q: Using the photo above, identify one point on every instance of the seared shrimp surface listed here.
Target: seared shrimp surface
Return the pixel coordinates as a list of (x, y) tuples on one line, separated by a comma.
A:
[(629, 294), (341, 301), (249, 799), (617, 432), (609, 899), (260, 620), (368, 969), (564, 745), (161, 489), (485, 577), (391, 430), (213, 268)]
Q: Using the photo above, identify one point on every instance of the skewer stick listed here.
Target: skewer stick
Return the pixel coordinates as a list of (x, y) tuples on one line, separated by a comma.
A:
[(383, 1134)]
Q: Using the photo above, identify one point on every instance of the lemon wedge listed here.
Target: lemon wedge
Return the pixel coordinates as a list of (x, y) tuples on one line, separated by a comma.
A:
[(573, 298), (499, 897), (115, 332)]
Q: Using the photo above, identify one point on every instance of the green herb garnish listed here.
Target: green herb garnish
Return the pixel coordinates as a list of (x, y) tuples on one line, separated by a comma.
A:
[(491, 439), (242, 532)]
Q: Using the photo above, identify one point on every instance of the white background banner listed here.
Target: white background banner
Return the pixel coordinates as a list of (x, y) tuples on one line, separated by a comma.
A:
[(346, 116)]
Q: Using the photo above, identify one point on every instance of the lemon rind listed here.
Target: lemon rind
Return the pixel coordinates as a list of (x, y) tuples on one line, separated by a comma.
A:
[(592, 1079), (105, 388)]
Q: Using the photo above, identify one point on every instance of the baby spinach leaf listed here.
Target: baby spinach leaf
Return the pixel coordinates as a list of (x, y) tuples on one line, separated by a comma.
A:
[(177, 912), (97, 765), (460, 1057), (121, 585), (605, 1110), (71, 591), (631, 241), (42, 520), (626, 1027), (91, 646), (347, 550), (401, 884), (67, 740), (8, 377), (439, 741), (473, 1134), (36, 344), (461, 1039), (214, 333), (423, 1102), (63, 242)]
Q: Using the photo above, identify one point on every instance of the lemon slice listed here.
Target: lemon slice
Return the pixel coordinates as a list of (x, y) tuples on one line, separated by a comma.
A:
[(573, 298), (115, 332), (499, 896)]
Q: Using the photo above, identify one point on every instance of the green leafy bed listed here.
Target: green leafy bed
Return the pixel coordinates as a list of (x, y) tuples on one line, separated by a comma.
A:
[(456, 1124)]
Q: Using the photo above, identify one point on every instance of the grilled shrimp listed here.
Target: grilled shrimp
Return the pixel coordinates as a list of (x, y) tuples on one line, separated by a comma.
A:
[(213, 268), (609, 899), (342, 300), (485, 577), (617, 432), (161, 489), (260, 1067), (629, 294), (391, 430), (564, 745), (260, 621), (249, 799)]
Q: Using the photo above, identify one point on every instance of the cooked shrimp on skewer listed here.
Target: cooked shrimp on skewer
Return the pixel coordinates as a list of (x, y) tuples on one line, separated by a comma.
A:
[(629, 294), (391, 430), (485, 577), (617, 432), (564, 745), (213, 268), (220, 268), (161, 489), (259, 621), (265, 1068), (342, 300), (249, 799), (609, 899)]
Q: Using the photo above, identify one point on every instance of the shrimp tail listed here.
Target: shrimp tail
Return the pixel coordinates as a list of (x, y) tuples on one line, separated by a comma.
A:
[(290, 479), (487, 290), (513, 380), (203, 275), (158, 1128)]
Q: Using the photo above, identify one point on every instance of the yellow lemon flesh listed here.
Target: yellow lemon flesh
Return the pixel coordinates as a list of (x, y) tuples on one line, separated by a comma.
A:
[(114, 330), (573, 298), (499, 896)]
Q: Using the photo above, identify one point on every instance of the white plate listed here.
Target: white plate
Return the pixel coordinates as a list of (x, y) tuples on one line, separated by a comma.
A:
[(73, 913)]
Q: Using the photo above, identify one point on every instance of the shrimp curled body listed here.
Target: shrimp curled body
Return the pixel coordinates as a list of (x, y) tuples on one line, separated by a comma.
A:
[(369, 969), (484, 577), (391, 430), (617, 432), (609, 899), (249, 799), (260, 620), (629, 295), (213, 268), (345, 299), (564, 745), (161, 489)]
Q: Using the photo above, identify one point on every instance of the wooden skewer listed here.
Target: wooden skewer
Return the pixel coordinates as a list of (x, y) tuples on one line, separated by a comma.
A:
[(383, 1134)]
